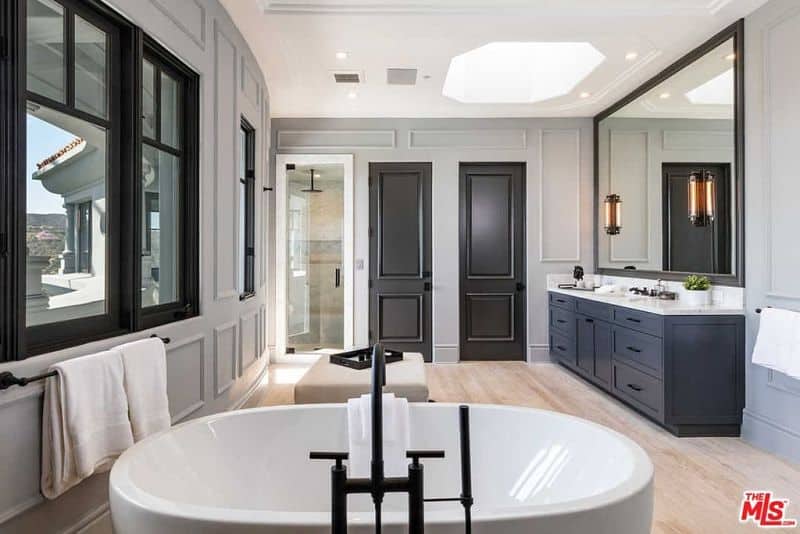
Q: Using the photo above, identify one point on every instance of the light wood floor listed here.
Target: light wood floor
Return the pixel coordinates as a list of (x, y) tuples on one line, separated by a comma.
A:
[(699, 481)]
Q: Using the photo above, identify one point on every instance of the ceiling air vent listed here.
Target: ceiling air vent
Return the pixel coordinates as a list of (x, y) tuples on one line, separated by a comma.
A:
[(347, 77), (401, 76)]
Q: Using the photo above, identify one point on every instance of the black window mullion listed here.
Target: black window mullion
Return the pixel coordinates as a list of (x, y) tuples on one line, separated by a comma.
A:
[(157, 100), (69, 56)]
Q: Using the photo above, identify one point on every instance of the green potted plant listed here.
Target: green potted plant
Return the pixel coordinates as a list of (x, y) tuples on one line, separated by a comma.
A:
[(698, 290)]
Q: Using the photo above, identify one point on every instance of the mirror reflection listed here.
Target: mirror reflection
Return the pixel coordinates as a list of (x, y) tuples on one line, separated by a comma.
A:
[(666, 173)]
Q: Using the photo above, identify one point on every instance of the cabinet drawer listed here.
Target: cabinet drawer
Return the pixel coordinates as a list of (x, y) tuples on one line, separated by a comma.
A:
[(563, 348), (643, 350), (598, 310), (639, 389), (641, 321), (562, 301), (562, 320)]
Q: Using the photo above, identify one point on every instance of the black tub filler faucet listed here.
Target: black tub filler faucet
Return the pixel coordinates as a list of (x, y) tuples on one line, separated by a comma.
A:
[(379, 485)]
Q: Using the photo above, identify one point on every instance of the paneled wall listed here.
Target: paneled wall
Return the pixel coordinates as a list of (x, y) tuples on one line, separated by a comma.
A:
[(772, 415), (558, 154), (214, 360)]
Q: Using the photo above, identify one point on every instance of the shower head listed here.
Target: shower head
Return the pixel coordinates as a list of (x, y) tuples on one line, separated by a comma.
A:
[(311, 189)]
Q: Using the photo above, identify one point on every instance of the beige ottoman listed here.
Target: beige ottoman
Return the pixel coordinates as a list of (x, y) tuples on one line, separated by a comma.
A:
[(326, 382)]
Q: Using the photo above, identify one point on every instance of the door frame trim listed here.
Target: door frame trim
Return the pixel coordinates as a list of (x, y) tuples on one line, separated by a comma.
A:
[(348, 257)]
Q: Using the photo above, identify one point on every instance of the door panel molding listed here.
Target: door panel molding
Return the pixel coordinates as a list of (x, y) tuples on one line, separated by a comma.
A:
[(492, 261), (400, 256)]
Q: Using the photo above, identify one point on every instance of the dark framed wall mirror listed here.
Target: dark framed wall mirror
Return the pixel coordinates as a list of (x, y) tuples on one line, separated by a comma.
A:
[(669, 170)]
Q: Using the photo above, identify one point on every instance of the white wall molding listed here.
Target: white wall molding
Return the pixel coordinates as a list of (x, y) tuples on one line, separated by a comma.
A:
[(445, 354), (336, 139), (250, 87), (183, 21), (225, 355), (473, 139), (614, 257), (539, 353), (226, 196), (767, 433), (556, 218)]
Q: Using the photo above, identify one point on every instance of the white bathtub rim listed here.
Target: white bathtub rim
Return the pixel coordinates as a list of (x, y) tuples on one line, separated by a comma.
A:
[(119, 483)]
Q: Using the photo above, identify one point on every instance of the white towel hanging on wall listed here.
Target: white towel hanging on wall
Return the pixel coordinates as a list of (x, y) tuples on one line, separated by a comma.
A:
[(778, 342)]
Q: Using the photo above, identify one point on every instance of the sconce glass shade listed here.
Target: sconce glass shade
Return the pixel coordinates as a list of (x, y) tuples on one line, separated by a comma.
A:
[(613, 212), (702, 195)]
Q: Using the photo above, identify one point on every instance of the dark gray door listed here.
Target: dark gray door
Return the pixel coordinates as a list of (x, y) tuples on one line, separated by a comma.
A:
[(492, 251), (400, 256)]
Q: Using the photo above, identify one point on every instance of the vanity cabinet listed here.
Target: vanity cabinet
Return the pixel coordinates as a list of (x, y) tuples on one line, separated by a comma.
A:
[(685, 372)]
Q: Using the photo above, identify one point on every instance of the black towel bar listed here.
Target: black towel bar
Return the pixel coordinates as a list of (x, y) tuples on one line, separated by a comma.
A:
[(8, 379)]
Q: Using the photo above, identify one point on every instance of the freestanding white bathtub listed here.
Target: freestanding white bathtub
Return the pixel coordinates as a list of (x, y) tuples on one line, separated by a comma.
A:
[(534, 472)]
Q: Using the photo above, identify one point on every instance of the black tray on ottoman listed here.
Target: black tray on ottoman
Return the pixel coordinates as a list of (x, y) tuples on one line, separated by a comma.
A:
[(362, 358)]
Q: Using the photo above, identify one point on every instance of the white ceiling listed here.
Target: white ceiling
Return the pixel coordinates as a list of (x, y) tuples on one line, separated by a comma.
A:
[(295, 42)]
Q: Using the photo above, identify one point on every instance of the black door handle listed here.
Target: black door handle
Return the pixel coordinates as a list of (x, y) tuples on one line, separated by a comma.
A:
[(338, 277), (521, 287), (589, 320)]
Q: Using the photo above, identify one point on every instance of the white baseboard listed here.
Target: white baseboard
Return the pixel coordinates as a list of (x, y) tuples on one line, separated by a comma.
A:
[(766, 433), (445, 354), (539, 353)]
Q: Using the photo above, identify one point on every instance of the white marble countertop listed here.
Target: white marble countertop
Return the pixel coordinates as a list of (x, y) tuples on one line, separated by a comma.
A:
[(651, 304)]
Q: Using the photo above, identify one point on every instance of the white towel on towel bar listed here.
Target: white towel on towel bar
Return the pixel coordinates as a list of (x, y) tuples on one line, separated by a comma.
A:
[(396, 436), (778, 342), (145, 363), (85, 423)]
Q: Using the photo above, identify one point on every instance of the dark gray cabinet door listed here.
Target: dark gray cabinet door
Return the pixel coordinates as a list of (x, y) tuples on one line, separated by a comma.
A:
[(586, 344), (400, 256), (492, 250), (602, 352)]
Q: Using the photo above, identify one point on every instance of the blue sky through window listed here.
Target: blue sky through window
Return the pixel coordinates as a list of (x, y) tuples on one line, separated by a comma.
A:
[(44, 139)]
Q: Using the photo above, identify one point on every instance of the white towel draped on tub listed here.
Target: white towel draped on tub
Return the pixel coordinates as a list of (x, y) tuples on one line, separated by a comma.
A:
[(85, 423), (778, 342), (396, 437), (145, 363)]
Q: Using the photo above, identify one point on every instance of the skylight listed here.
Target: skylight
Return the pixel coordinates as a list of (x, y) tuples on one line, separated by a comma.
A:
[(516, 73), (718, 91)]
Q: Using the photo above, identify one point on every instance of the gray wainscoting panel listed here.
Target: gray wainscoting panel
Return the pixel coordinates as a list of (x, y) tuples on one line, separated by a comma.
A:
[(250, 86), (511, 139), (248, 344), (629, 157), (225, 351), (186, 376), (560, 196), (21, 457), (697, 140), (226, 194), (188, 15), (336, 139), (781, 115)]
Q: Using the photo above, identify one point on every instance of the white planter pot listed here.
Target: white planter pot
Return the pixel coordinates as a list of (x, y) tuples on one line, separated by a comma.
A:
[(696, 298)]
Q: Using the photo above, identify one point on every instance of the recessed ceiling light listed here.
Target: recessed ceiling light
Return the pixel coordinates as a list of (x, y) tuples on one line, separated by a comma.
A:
[(585, 95), (664, 96), (519, 72), (352, 95), (630, 56), (341, 55), (731, 56)]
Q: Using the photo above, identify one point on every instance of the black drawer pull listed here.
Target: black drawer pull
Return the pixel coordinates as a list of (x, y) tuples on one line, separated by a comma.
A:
[(562, 321), (631, 319), (562, 349), (561, 301), (634, 387), (589, 320), (633, 349)]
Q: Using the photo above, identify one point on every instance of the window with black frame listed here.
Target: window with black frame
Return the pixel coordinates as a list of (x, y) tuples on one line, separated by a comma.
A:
[(247, 181), (101, 171)]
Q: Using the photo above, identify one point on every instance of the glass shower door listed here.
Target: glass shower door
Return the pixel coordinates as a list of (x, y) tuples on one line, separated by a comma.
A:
[(314, 228)]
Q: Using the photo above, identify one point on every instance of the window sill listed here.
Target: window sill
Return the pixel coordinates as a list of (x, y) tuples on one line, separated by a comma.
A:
[(245, 296)]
